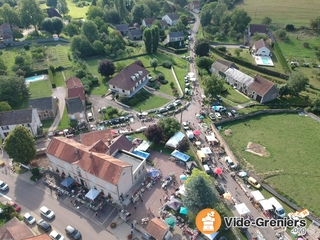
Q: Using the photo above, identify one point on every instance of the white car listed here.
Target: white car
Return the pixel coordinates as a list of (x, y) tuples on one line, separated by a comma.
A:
[(56, 236), (47, 212), (229, 114), (185, 126), (29, 219), (176, 103), (218, 115), (3, 186), (90, 116)]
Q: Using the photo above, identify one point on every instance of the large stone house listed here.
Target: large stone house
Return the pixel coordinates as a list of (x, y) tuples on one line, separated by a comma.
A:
[(194, 6), (261, 48), (123, 29), (171, 18), (147, 22), (262, 90), (6, 34), (129, 80), (28, 118), (238, 79), (92, 167), (47, 107), (219, 67)]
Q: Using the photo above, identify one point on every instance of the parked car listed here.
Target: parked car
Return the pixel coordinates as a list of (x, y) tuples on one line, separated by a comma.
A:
[(218, 115), (170, 106), (15, 206), (90, 116), (29, 219), (212, 117), (54, 235), (176, 103), (3, 186), (185, 126), (229, 114), (242, 46), (45, 226), (162, 110), (219, 98), (254, 182), (219, 108), (73, 233), (234, 113), (47, 212), (220, 189)]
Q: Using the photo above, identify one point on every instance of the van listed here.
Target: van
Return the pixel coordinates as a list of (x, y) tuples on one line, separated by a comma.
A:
[(254, 182), (277, 207), (207, 169), (229, 162)]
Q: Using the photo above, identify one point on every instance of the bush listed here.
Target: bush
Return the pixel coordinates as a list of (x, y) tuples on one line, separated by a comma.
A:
[(164, 81), (160, 77), (171, 84), (222, 48), (35, 172), (289, 27), (26, 47), (167, 64)]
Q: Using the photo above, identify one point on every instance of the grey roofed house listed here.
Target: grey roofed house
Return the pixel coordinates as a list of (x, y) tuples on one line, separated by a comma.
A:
[(15, 117), (123, 28), (74, 105), (176, 34), (41, 103), (173, 16), (135, 34), (257, 28), (120, 142), (221, 66)]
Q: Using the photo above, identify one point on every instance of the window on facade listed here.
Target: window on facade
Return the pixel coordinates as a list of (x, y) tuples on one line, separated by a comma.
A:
[(123, 91), (5, 128), (44, 115), (6, 134), (135, 177), (139, 171), (47, 111), (114, 86), (142, 167), (95, 187)]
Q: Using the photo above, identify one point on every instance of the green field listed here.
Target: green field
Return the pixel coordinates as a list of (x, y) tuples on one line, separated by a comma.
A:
[(76, 12), (152, 103), (40, 89), (293, 144), (295, 12), (58, 56)]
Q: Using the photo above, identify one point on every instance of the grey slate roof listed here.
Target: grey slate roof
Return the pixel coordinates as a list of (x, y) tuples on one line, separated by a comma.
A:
[(122, 27), (16, 117), (74, 105), (222, 65), (41, 104), (136, 32), (176, 34), (173, 16)]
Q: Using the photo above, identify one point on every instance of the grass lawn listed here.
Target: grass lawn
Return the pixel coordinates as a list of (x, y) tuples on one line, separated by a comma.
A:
[(77, 12), (292, 142), (64, 122), (234, 96), (58, 79), (39, 89), (298, 13), (152, 103), (46, 124), (167, 73), (58, 56)]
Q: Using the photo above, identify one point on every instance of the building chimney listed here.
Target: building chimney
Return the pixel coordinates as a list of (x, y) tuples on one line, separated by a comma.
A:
[(91, 155), (76, 150)]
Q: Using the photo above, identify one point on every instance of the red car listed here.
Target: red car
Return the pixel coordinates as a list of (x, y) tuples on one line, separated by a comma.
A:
[(15, 206)]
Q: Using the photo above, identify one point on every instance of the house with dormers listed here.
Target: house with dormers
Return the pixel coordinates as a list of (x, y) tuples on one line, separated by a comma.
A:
[(93, 167), (6, 34), (261, 48), (171, 18), (129, 80), (28, 118)]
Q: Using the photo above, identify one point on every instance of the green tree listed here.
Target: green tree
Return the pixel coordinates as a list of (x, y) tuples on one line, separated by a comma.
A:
[(154, 63), (13, 89), (90, 30), (297, 83), (30, 13), (62, 7), (94, 12), (183, 145), (106, 68), (239, 20), (4, 107), (81, 47), (98, 47), (147, 38), (201, 47), (120, 6), (73, 123), (181, 3), (169, 126), (52, 3), (205, 17), (57, 25), (20, 145), (138, 13), (281, 34), (3, 67), (112, 16), (153, 6), (199, 193), (184, 20), (266, 21), (213, 86), (155, 38), (47, 25), (204, 63), (315, 104), (71, 29), (154, 133), (10, 15), (237, 52)]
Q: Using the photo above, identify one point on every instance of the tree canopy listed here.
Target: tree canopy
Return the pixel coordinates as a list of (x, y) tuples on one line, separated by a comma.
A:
[(169, 126), (90, 30), (201, 47), (30, 13), (154, 63), (4, 106), (213, 86), (106, 68), (316, 104), (297, 82), (20, 145), (199, 193), (13, 89), (154, 133)]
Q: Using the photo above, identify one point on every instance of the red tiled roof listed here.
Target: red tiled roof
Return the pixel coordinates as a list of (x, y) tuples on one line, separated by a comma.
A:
[(99, 147), (39, 237), (16, 230), (261, 43), (74, 82), (76, 92), (157, 228), (92, 137), (261, 85), (120, 142), (123, 79), (100, 165)]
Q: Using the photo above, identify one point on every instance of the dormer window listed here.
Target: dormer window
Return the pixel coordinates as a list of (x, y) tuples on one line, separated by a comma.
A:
[(133, 78), (137, 75), (140, 72)]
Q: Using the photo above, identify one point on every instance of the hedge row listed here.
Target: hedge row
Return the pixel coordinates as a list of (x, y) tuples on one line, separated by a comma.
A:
[(249, 65), (281, 58), (38, 72)]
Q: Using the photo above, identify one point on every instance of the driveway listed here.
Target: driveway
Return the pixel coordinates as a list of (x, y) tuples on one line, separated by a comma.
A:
[(60, 93)]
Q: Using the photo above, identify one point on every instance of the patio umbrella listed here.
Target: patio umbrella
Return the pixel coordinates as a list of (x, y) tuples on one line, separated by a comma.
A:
[(184, 210), (198, 143), (113, 132), (217, 170), (227, 196), (196, 132), (183, 177), (171, 222), (201, 117)]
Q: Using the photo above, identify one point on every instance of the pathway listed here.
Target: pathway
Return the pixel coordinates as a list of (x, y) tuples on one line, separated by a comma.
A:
[(178, 84)]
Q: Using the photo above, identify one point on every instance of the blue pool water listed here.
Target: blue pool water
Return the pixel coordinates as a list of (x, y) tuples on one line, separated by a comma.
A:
[(265, 60), (101, 128), (34, 78), (141, 154)]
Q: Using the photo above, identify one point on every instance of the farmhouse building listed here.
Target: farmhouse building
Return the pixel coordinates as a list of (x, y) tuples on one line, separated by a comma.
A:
[(129, 80), (238, 79), (174, 39), (219, 67), (123, 29), (147, 22), (262, 90), (257, 28), (261, 48), (171, 18), (135, 34), (46, 107), (6, 34), (75, 89)]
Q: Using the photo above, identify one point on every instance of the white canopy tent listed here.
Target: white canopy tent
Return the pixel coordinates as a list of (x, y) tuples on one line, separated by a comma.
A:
[(191, 74), (211, 138), (174, 140), (257, 195), (144, 146), (182, 190), (266, 205), (242, 209), (92, 194), (206, 150)]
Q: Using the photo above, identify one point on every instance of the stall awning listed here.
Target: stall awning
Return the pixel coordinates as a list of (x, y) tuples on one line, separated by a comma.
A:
[(242, 208), (174, 140), (144, 146), (201, 155), (206, 150), (92, 194), (211, 138), (266, 205), (181, 156), (257, 195), (67, 182)]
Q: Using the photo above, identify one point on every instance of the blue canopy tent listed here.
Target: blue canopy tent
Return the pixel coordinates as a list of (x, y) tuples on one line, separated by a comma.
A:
[(153, 173), (181, 156), (67, 182)]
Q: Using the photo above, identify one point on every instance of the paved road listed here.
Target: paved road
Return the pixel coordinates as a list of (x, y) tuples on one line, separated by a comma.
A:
[(60, 93)]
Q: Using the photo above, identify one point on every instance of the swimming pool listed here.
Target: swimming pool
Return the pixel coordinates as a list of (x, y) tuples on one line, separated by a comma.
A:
[(142, 154), (100, 128), (263, 61), (35, 78)]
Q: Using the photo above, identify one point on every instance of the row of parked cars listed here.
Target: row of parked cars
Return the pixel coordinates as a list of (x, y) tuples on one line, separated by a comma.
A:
[(71, 232), (119, 120)]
